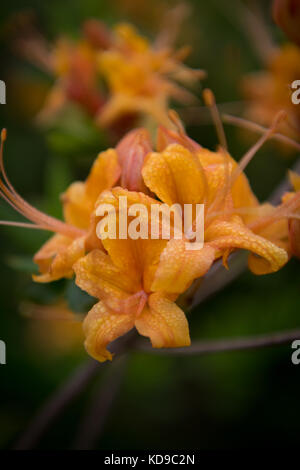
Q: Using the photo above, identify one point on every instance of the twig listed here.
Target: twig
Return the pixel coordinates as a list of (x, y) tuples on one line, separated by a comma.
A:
[(237, 344), (193, 115), (56, 404), (249, 125), (94, 421), (70, 390), (251, 24)]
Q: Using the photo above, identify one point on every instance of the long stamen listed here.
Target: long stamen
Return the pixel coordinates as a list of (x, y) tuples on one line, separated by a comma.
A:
[(177, 122), (221, 195), (20, 224), (209, 100), (253, 150), (40, 220), (252, 126)]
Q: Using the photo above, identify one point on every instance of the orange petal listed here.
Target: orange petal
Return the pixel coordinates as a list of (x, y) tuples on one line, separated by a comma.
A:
[(214, 166), (104, 174), (164, 323), (175, 176), (166, 137), (235, 234), (77, 207), (97, 275), (57, 257), (179, 267), (129, 255), (295, 180), (101, 327), (80, 198)]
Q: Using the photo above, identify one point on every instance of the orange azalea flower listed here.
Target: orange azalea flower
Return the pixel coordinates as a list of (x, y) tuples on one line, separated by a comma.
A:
[(140, 78), (74, 237), (282, 223), (75, 68), (215, 179), (182, 172), (270, 91), (137, 281)]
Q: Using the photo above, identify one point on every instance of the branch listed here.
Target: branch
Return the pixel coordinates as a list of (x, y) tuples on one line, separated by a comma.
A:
[(237, 344), (68, 392), (253, 126), (94, 421), (56, 404)]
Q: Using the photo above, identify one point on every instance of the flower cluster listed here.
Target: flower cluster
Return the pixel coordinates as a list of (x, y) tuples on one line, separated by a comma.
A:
[(113, 74), (271, 89), (138, 281)]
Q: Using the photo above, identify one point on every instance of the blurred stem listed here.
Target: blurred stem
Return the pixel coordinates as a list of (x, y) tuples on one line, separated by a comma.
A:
[(250, 22), (57, 403), (93, 423), (236, 344), (69, 391), (249, 125)]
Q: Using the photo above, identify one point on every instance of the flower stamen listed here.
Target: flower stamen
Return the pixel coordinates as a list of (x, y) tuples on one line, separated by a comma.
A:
[(210, 102), (40, 220)]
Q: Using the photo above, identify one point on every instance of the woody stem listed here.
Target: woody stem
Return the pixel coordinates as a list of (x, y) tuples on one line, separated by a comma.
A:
[(69, 391), (223, 345)]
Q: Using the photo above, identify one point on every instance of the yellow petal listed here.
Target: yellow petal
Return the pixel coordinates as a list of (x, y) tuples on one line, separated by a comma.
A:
[(179, 267), (166, 137), (295, 180), (130, 37), (77, 207), (175, 175), (214, 166), (242, 194), (131, 256), (80, 198), (104, 174), (97, 275), (57, 257), (101, 327), (164, 323), (235, 234)]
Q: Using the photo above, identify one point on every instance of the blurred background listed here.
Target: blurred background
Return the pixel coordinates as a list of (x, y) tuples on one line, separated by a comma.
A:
[(223, 401)]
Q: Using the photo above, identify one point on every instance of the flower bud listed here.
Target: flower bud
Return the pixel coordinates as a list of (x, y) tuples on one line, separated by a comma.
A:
[(286, 14), (132, 151)]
